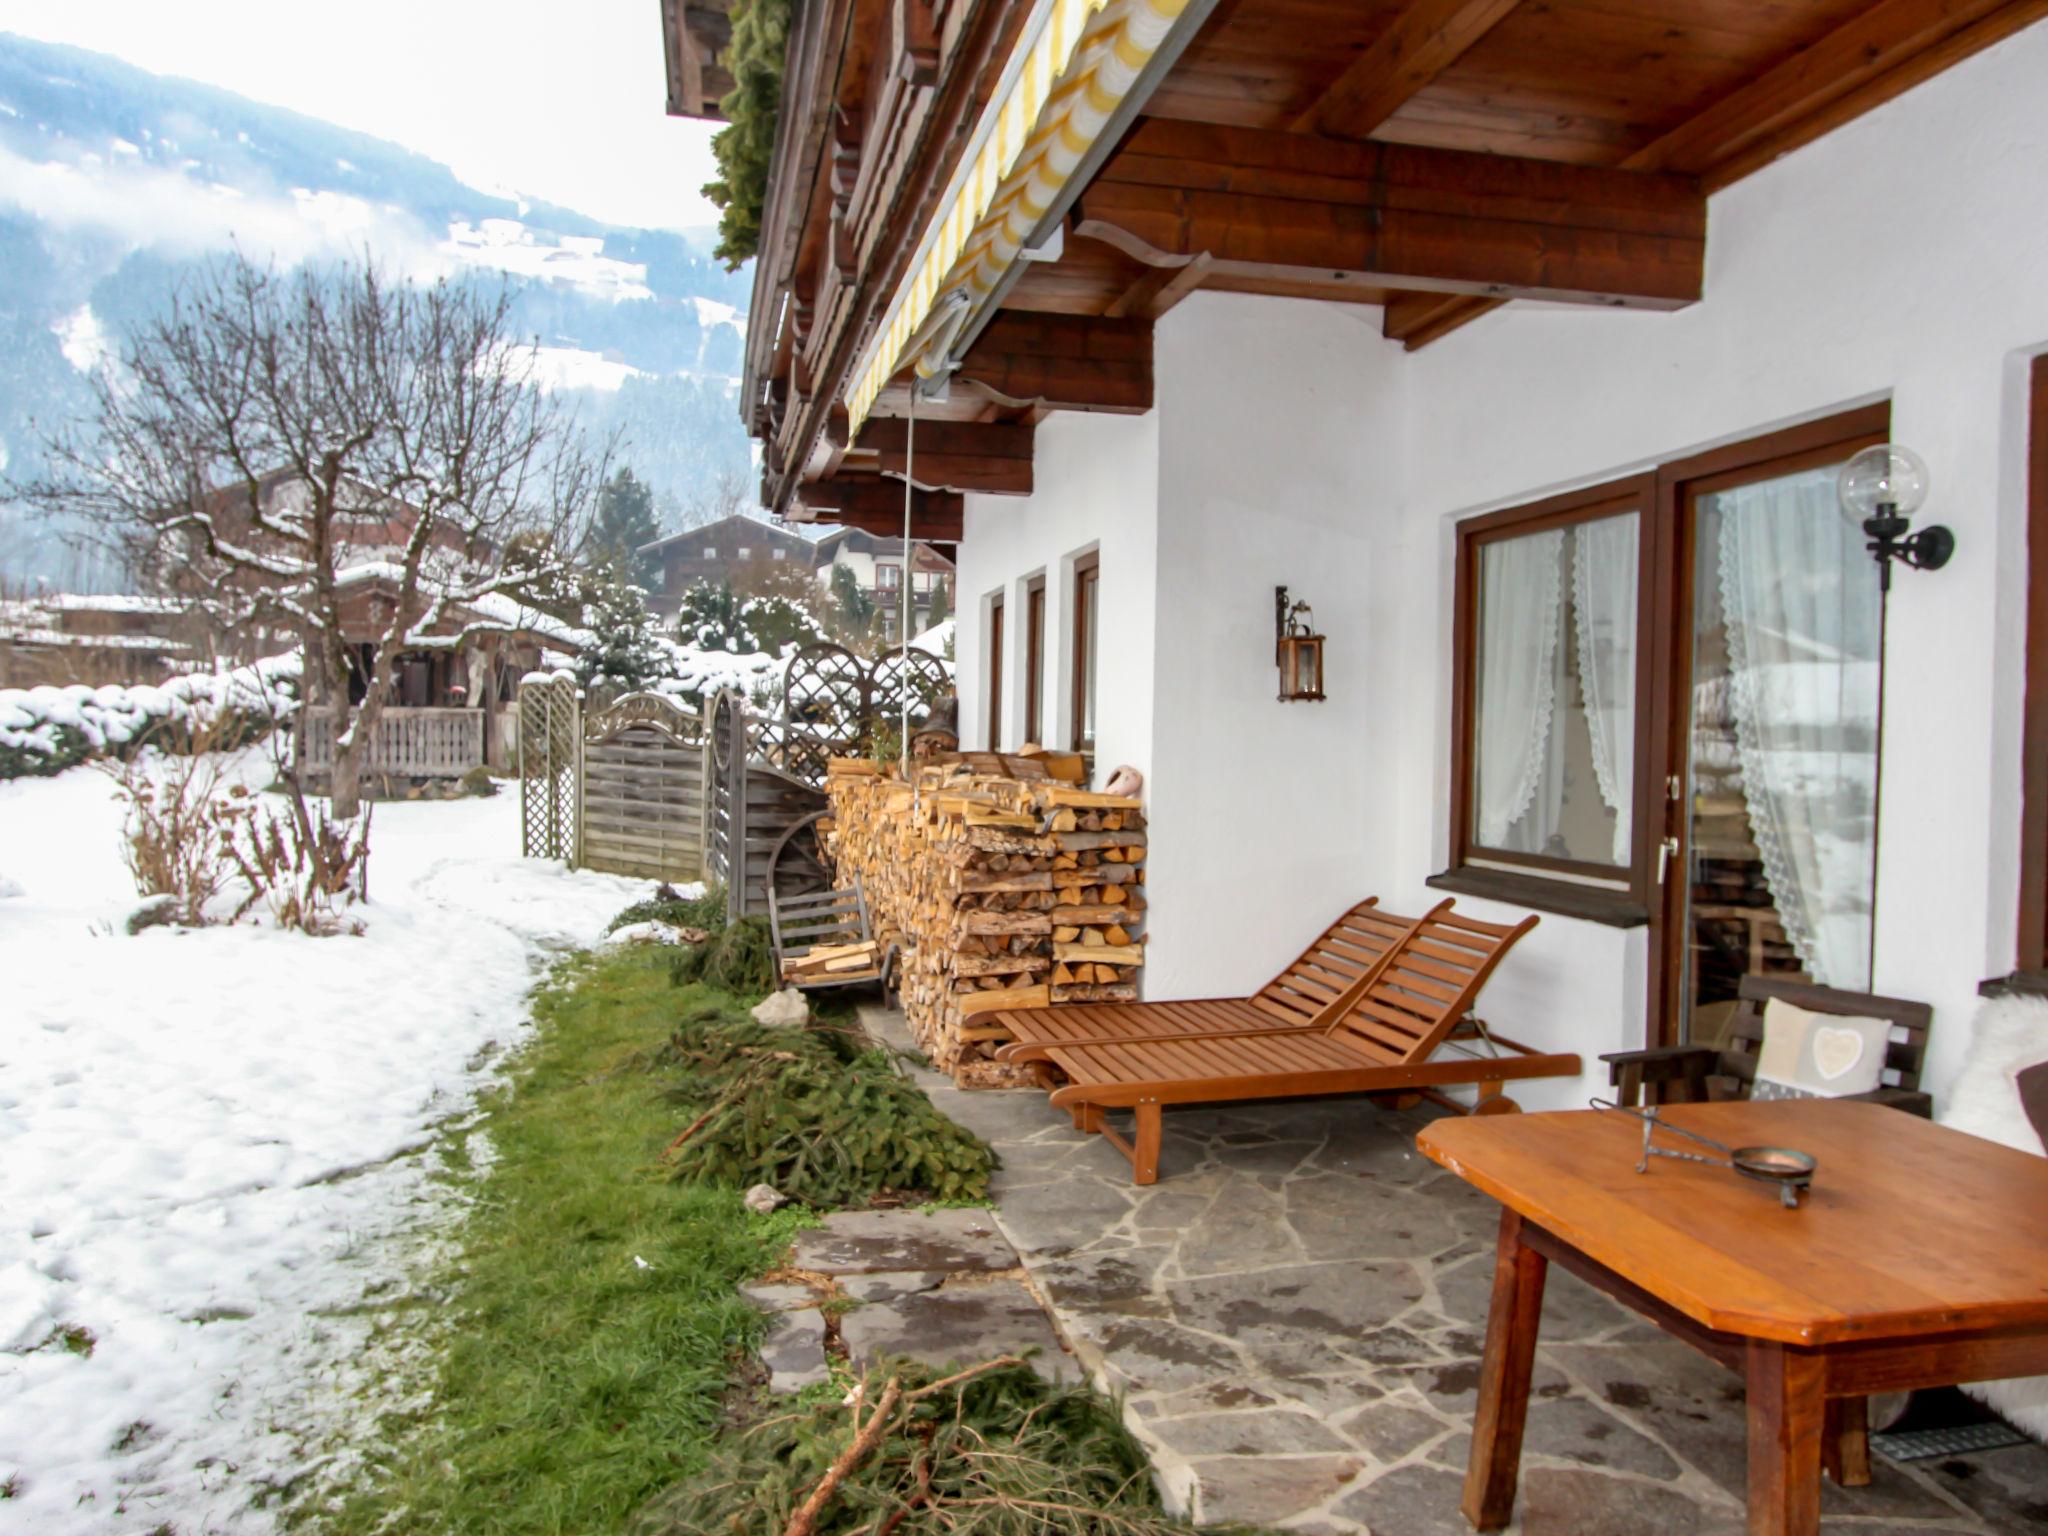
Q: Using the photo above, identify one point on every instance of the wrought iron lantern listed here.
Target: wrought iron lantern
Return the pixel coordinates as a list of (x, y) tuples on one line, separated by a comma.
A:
[(1298, 649), (1880, 489)]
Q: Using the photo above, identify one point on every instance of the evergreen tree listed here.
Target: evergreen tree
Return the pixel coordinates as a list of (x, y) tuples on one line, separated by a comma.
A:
[(942, 605), (627, 654), (625, 521), (853, 611), (709, 617)]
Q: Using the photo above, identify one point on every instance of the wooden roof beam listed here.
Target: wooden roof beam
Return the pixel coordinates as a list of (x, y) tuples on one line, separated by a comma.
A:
[(1876, 55), (1062, 362), (875, 504), (989, 457), (1266, 206), (1420, 44), (1417, 319)]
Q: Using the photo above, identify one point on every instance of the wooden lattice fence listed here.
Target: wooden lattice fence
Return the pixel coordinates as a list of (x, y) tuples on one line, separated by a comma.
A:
[(643, 805), (550, 767)]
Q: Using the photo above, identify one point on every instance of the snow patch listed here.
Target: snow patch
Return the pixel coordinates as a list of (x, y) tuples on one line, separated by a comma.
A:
[(506, 245), (83, 339), (580, 368), (215, 1147)]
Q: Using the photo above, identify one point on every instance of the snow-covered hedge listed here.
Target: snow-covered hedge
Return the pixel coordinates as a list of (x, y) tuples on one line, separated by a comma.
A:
[(46, 730)]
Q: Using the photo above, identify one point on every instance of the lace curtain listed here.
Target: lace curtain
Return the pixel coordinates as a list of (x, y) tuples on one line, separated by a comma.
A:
[(1604, 599), (1526, 705), (1521, 600), (1801, 602)]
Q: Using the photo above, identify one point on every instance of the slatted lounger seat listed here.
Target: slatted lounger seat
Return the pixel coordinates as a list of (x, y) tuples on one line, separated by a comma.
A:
[(1322, 979), (1386, 1041)]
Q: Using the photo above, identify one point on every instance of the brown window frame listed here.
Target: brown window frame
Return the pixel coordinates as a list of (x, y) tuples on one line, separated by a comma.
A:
[(2031, 956), (1475, 866), (1034, 659), (1631, 897), (1088, 579), (995, 673)]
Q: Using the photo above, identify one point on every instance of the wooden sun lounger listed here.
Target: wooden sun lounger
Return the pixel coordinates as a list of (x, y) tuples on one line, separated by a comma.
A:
[(1323, 979), (1383, 1042)]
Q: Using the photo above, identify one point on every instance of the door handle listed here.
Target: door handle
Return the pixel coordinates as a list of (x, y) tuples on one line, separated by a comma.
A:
[(1666, 852)]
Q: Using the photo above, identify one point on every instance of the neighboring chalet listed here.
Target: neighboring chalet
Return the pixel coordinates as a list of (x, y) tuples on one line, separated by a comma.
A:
[(739, 548), (1525, 342), (728, 550), (67, 638), (877, 566)]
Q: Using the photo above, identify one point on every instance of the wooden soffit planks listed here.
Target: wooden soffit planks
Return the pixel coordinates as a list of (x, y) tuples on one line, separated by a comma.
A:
[(993, 458), (875, 504)]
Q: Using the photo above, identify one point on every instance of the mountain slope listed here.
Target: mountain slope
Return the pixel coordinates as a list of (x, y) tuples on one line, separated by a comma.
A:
[(116, 183)]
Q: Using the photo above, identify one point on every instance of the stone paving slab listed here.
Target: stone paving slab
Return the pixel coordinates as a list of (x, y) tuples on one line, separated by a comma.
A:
[(1295, 1314), (958, 1324), (871, 1242), (794, 1351)]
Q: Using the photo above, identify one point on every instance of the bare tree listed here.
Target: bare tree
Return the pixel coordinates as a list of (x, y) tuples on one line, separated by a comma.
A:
[(269, 440)]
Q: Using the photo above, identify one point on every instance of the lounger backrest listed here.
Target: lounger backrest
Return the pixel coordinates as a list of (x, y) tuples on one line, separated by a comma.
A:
[(1336, 962), (1426, 986)]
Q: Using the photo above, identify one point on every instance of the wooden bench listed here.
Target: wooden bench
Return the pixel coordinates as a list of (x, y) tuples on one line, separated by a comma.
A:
[(1692, 1074)]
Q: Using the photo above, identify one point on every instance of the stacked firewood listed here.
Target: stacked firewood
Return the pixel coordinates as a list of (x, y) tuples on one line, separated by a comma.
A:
[(833, 963), (1005, 886)]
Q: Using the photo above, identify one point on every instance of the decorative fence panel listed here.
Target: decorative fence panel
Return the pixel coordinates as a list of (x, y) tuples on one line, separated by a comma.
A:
[(550, 767), (410, 743), (751, 805), (643, 797), (834, 704)]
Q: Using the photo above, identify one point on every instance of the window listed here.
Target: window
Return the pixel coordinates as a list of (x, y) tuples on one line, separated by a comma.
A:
[(780, 554), (887, 577), (1087, 624), (1034, 659), (710, 551), (2033, 938), (1666, 711), (742, 552), (995, 673)]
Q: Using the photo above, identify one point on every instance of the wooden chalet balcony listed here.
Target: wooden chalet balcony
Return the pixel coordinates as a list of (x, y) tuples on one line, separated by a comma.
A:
[(411, 743)]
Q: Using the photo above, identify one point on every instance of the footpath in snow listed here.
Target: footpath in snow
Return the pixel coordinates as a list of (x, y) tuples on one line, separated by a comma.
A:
[(208, 1147)]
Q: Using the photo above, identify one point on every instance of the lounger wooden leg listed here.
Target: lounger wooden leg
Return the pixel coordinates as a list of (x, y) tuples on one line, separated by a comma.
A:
[(1087, 1117), (1503, 1406), (1845, 1442), (1145, 1149), (1492, 1101)]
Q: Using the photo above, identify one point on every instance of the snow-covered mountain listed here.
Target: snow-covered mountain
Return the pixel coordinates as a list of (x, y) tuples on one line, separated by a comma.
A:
[(114, 182)]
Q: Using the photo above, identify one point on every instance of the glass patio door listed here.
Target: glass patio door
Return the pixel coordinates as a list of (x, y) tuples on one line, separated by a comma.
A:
[(1781, 678)]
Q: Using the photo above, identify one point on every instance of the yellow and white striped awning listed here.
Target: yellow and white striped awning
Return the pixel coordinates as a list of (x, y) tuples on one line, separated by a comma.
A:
[(1074, 64)]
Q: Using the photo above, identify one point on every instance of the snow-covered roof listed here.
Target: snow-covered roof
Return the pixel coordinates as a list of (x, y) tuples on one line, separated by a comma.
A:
[(479, 612), (938, 639)]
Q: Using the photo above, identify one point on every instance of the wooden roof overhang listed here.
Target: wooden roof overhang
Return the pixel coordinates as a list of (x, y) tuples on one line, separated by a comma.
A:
[(1436, 158)]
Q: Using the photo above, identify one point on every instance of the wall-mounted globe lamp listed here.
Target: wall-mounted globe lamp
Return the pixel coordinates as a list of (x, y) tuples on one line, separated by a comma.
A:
[(1880, 489)]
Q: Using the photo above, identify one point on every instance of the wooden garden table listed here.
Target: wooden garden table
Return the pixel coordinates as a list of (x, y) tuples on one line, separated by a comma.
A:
[(1919, 1258)]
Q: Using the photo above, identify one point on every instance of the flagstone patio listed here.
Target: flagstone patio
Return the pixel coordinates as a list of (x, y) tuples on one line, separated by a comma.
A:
[(1294, 1316)]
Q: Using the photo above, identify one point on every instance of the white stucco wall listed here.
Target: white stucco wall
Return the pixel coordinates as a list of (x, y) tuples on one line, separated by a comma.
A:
[(1904, 257), (1096, 480)]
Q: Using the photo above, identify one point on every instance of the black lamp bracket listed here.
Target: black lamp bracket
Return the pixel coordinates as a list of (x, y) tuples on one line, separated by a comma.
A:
[(1927, 550)]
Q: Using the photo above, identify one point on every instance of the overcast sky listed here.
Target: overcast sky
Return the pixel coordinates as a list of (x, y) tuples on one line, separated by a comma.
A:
[(558, 99)]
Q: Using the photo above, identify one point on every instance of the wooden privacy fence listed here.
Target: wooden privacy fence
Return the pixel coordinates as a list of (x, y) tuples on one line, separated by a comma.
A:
[(642, 801), (410, 743), (619, 789)]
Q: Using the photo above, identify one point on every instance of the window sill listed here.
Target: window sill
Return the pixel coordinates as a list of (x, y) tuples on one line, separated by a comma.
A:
[(2018, 984), (1614, 909)]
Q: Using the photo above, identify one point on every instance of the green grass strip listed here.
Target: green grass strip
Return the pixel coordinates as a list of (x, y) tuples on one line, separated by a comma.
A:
[(571, 1382)]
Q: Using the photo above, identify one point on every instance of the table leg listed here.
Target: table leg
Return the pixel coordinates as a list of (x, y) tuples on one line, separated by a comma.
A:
[(1787, 1410), (1503, 1405), (1845, 1441)]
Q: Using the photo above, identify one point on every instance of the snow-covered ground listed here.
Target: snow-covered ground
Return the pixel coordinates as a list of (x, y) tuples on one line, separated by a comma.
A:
[(208, 1147)]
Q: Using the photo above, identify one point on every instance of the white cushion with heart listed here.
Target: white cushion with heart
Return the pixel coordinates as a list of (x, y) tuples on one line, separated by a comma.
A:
[(1818, 1055)]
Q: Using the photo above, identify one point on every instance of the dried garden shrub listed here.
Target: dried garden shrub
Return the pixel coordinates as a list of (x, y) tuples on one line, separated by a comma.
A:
[(182, 816), (305, 865)]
